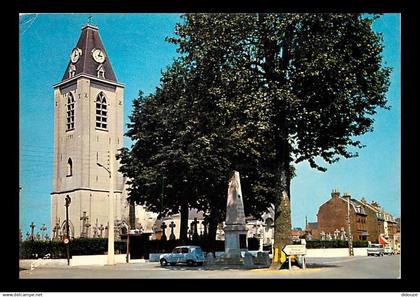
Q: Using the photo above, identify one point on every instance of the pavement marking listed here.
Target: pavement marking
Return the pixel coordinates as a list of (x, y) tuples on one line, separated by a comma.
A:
[(285, 271)]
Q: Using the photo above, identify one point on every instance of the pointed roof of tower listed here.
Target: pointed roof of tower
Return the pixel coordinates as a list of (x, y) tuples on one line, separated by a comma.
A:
[(88, 41)]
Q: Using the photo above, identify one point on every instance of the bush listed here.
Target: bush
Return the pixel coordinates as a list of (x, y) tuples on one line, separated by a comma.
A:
[(327, 244), (36, 249), (78, 246), (360, 243), (159, 246)]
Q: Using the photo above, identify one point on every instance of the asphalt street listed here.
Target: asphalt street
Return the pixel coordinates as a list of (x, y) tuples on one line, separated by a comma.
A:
[(344, 267)]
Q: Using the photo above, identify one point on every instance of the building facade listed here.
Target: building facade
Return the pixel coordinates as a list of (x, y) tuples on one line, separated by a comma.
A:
[(368, 221), (333, 222), (387, 225), (88, 131)]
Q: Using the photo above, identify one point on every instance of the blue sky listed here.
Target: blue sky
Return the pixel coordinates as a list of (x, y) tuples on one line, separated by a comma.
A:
[(138, 53)]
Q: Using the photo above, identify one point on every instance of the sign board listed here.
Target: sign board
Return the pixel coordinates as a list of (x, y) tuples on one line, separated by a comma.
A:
[(295, 249)]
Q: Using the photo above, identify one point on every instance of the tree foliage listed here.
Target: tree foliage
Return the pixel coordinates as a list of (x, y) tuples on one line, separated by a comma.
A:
[(313, 80), (255, 93)]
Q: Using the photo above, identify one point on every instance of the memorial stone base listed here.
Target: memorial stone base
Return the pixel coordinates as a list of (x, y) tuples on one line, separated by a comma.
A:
[(235, 242)]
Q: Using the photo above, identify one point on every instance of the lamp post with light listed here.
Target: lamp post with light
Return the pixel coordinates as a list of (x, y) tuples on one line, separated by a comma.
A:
[(67, 239), (111, 258)]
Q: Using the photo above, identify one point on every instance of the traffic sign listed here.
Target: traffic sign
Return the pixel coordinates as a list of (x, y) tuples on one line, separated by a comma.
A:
[(295, 249), (66, 240)]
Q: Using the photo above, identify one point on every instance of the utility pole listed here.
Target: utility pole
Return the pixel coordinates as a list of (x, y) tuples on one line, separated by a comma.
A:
[(350, 240)]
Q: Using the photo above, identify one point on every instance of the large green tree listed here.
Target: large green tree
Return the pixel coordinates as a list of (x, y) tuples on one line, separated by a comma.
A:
[(312, 83), (193, 139), (194, 136), (158, 164)]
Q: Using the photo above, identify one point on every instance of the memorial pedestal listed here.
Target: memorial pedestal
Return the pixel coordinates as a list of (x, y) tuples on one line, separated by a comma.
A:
[(235, 240)]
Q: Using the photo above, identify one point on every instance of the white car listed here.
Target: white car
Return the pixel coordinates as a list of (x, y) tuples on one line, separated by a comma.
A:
[(375, 249), (388, 250), (187, 254)]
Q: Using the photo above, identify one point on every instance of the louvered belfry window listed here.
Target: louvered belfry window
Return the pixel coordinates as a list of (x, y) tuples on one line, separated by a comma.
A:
[(101, 111), (70, 112)]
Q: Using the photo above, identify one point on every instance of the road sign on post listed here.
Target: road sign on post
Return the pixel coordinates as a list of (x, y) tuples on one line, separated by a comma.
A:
[(295, 250)]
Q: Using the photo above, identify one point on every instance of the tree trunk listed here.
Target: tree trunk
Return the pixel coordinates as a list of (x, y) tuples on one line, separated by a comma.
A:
[(213, 222), (184, 223), (132, 215), (282, 213)]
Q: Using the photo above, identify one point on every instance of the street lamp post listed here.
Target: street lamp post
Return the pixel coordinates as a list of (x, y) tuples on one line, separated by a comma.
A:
[(111, 258), (67, 240)]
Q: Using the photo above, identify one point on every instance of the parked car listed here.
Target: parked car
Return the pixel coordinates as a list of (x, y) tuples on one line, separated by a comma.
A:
[(388, 250), (187, 254), (375, 249)]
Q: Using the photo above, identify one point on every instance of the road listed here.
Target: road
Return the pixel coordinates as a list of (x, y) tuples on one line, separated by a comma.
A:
[(344, 267)]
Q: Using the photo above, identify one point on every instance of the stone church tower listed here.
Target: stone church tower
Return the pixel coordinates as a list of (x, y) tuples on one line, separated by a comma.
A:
[(88, 118)]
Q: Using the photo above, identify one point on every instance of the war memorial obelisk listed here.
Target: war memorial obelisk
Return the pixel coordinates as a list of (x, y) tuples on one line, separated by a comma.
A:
[(235, 226)]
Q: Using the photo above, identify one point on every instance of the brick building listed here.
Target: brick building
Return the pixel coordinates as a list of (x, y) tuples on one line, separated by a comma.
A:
[(368, 221), (375, 221), (332, 217), (386, 224)]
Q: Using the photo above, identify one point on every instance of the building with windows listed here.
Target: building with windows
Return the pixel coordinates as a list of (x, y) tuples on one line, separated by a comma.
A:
[(368, 221), (383, 226), (333, 218), (88, 131)]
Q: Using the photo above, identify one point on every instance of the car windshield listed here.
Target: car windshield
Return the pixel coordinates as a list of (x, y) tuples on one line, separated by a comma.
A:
[(196, 249)]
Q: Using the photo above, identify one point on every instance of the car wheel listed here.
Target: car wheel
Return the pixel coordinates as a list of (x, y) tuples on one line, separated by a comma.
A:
[(190, 262), (163, 262)]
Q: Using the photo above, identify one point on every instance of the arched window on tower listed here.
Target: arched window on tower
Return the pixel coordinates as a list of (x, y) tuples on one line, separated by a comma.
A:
[(72, 71), (100, 71), (70, 112), (101, 112), (69, 167)]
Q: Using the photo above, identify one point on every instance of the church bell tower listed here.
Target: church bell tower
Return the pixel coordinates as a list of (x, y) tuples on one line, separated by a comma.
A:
[(88, 131)]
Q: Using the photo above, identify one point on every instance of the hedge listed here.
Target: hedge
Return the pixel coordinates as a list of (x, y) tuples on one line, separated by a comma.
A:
[(319, 244), (159, 246), (78, 246), (99, 246)]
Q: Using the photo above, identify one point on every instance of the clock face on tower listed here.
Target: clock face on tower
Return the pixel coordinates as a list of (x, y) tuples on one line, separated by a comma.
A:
[(75, 55), (98, 55)]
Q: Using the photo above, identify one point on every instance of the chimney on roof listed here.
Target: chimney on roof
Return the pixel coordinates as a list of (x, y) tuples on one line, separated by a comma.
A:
[(346, 195), (335, 193), (376, 204)]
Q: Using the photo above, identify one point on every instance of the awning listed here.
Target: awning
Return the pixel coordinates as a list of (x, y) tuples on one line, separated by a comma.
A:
[(382, 240)]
